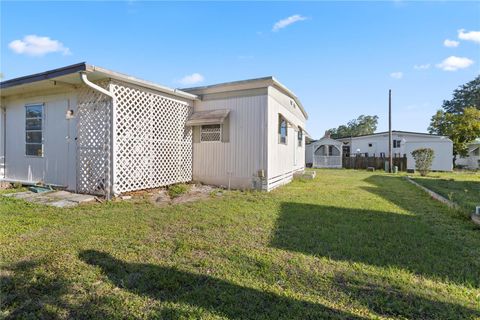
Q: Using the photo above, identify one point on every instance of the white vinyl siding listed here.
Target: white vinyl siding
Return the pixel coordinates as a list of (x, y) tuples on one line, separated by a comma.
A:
[(238, 160), (57, 166), (283, 160)]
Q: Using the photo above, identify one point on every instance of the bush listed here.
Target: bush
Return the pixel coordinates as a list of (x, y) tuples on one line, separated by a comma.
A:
[(423, 160), (17, 185), (177, 190)]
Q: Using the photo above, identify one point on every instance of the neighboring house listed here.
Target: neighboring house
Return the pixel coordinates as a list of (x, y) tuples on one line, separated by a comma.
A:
[(472, 160), (324, 153), (96, 131), (403, 143)]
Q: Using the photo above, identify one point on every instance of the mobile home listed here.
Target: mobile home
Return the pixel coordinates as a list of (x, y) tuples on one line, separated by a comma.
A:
[(92, 130), (403, 143)]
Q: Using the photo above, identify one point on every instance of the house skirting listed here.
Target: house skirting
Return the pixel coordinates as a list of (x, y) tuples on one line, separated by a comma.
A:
[(282, 179)]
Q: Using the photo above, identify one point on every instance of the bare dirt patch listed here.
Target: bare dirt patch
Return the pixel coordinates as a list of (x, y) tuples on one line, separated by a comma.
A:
[(160, 196)]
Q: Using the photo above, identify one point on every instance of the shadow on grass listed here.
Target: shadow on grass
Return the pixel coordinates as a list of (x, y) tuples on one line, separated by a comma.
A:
[(379, 238), (30, 290), (219, 296), (392, 301)]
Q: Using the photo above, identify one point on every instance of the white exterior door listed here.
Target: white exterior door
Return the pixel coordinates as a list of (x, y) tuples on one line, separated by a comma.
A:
[(59, 144)]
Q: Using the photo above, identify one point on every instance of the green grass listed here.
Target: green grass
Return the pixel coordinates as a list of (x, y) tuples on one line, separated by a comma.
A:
[(462, 188), (177, 190), (347, 245)]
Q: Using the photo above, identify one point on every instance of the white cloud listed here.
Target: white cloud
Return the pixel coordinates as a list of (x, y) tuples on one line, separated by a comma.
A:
[(192, 79), (450, 43), (422, 66), (469, 36), (396, 75), (453, 63), (34, 45), (287, 21)]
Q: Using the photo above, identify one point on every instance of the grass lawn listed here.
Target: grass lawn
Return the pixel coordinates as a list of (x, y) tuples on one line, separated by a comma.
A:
[(462, 188), (347, 245)]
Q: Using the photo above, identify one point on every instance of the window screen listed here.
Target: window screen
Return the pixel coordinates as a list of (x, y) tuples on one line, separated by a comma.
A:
[(300, 137), (34, 130), (210, 133)]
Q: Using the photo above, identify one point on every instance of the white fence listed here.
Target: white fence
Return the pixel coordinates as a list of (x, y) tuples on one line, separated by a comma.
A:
[(153, 145)]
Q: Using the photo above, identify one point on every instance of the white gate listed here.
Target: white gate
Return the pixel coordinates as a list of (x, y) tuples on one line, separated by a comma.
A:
[(93, 141)]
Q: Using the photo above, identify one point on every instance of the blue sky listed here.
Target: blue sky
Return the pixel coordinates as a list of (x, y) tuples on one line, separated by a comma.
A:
[(340, 58)]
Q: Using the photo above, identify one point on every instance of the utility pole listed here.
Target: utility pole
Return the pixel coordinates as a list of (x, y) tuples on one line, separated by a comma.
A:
[(390, 160)]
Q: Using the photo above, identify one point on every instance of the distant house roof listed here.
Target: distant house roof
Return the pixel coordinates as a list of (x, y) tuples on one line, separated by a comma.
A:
[(326, 140), (67, 77), (245, 85), (393, 131)]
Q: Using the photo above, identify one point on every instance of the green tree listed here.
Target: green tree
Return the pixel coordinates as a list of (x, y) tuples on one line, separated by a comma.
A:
[(460, 117), (465, 96), (462, 128), (423, 160), (356, 127)]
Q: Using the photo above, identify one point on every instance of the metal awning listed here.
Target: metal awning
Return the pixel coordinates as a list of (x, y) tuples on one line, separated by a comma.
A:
[(200, 118), (289, 122)]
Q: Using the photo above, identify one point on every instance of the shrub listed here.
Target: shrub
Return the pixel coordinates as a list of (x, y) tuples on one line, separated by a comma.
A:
[(177, 190), (423, 160), (17, 185)]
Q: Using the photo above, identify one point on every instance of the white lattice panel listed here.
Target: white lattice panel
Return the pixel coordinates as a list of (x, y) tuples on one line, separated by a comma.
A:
[(93, 141), (153, 145)]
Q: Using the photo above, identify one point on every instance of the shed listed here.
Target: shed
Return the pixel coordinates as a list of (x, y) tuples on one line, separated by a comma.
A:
[(324, 153)]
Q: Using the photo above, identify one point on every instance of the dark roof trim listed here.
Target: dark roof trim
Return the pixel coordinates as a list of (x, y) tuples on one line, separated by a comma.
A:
[(393, 131), (82, 66)]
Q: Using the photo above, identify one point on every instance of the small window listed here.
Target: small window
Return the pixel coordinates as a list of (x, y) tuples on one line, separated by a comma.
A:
[(396, 143), (300, 137), (282, 130), (370, 145), (211, 133), (34, 130)]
